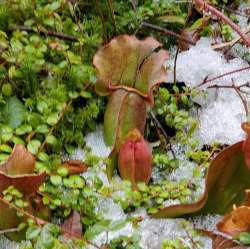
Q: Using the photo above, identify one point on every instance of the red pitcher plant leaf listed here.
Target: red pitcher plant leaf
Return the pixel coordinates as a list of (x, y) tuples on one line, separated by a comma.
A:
[(131, 64), (246, 145), (125, 111), (227, 178)]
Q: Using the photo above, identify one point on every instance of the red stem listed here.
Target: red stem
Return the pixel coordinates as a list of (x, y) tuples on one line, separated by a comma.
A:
[(206, 7)]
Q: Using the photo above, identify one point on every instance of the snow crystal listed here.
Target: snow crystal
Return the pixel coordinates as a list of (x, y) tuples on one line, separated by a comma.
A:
[(110, 210)]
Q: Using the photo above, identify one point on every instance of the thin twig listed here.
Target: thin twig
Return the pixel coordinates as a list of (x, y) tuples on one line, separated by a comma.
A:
[(27, 214), (209, 8), (231, 43), (235, 42), (161, 131), (244, 102), (10, 230), (175, 62), (222, 75), (230, 86), (48, 33), (167, 32), (112, 13), (238, 91)]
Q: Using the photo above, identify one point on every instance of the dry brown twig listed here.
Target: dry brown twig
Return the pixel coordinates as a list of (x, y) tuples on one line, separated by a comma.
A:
[(207, 80)]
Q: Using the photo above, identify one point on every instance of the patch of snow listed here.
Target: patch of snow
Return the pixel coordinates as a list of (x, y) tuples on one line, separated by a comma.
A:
[(221, 122), (154, 231), (111, 211), (200, 61), (7, 244), (95, 141), (223, 112), (78, 154), (206, 222)]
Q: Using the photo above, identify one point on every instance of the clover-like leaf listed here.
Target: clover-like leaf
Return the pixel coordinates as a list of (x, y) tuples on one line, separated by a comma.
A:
[(18, 171), (131, 64)]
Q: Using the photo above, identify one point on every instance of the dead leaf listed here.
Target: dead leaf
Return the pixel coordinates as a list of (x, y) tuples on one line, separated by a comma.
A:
[(20, 161), (192, 35), (238, 220), (75, 167), (222, 242), (72, 227)]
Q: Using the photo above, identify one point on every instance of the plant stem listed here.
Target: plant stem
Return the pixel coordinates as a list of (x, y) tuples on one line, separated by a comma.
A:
[(222, 75), (10, 230), (48, 33), (175, 63), (244, 102), (112, 14), (167, 32), (27, 214), (161, 132), (208, 8)]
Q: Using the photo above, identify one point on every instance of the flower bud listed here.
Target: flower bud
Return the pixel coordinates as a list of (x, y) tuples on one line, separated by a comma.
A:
[(135, 158), (246, 145)]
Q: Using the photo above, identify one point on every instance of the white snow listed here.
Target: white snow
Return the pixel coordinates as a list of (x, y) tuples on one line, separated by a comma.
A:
[(7, 244), (223, 112), (95, 141)]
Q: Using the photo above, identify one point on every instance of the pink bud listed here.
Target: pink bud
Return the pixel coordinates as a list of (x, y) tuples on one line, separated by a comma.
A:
[(246, 145), (135, 158)]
